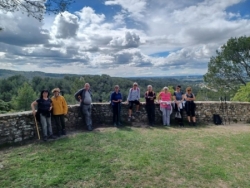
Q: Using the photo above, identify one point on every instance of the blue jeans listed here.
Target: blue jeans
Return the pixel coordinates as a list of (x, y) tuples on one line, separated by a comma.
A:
[(165, 116), (46, 125), (86, 110)]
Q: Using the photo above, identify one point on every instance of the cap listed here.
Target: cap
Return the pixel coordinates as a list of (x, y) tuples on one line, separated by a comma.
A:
[(56, 89)]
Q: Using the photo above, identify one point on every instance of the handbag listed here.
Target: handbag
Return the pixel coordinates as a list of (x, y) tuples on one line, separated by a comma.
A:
[(178, 115)]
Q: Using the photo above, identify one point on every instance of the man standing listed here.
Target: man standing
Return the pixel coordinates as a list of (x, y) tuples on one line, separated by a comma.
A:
[(84, 96), (59, 110)]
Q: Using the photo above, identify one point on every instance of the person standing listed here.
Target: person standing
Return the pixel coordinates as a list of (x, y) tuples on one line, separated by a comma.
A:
[(116, 99), (190, 105), (165, 105), (84, 96), (44, 106), (150, 104), (178, 104), (59, 110), (133, 98)]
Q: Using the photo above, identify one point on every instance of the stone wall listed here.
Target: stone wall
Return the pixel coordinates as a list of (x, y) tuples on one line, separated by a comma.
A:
[(20, 126)]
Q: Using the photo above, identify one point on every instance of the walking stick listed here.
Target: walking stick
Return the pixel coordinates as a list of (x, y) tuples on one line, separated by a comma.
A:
[(38, 134)]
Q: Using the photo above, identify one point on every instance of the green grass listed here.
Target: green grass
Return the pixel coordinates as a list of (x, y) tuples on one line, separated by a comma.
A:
[(215, 156)]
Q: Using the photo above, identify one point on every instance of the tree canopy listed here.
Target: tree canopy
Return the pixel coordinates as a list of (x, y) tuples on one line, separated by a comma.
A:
[(37, 8), (230, 68), (243, 94)]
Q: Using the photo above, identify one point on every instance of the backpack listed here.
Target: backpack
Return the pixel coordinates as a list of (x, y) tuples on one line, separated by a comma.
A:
[(217, 119)]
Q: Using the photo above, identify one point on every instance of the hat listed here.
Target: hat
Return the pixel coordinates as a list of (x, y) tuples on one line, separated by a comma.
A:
[(165, 88), (56, 89), (178, 86)]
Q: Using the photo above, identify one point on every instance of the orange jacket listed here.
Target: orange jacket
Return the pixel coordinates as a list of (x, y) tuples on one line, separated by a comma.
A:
[(59, 105)]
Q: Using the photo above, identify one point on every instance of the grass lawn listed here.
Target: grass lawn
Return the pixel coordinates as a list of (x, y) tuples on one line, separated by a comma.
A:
[(213, 156)]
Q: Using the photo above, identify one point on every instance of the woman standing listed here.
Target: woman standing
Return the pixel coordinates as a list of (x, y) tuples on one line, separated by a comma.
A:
[(150, 105), (178, 104), (116, 99), (44, 106), (190, 105), (165, 105), (60, 109)]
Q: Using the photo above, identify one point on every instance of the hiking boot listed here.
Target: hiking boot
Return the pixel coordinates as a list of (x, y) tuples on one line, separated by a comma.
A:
[(90, 128), (138, 112), (52, 137), (115, 125), (189, 123), (119, 124), (194, 124), (45, 139), (59, 133), (129, 118), (63, 132), (132, 117)]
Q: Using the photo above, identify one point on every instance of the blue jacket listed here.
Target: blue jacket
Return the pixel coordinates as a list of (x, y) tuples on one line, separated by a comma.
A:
[(115, 96)]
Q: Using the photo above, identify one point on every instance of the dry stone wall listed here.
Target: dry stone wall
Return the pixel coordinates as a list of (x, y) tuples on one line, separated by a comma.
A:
[(20, 126)]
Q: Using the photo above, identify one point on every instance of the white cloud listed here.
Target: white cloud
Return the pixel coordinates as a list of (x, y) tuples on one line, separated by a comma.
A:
[(65, 25), (130, 40)]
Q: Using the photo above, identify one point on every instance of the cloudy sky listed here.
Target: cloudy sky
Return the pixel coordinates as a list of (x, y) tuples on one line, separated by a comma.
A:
[(123, 37)]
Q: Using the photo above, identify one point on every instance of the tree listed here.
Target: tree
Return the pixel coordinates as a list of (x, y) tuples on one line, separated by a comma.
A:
[(36, 8), (243, 94), (230, 68), (26, 95)]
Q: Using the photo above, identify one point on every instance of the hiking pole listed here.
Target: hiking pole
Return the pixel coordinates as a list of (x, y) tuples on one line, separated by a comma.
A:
[(226, 108), (38, 134), (222, 110)]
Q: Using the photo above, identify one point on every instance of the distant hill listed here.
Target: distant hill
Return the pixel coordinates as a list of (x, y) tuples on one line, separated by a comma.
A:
[(4, 73), (30, 74)]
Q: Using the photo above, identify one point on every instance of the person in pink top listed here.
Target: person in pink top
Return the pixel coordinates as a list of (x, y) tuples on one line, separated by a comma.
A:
[(164, 99)]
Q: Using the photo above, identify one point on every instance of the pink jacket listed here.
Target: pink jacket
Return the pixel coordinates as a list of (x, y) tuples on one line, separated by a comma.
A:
[(165, 99)]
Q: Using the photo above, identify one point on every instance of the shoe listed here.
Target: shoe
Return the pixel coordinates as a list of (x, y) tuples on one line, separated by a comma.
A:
[(189, 123), (59, 133), (129, 118), (90, 128), (115, 125), (63, 132), (194, 124), (132, 117), (52, 137), (45, 139), (138, 112), (152, 125), (119, 124)]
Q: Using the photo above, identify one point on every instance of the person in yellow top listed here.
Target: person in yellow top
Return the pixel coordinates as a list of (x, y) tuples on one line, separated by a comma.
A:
[(59, 110)]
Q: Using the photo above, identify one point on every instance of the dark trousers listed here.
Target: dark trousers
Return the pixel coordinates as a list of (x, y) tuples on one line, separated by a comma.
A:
[(180, 120), (60, 122), (116, 113), (151, 113)]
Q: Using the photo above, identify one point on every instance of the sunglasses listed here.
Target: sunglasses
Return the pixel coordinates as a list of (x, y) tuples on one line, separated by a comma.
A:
[(189, 90)]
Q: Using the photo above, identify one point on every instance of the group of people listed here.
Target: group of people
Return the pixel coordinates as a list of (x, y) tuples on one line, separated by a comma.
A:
[(180, 102), (57, 107)]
